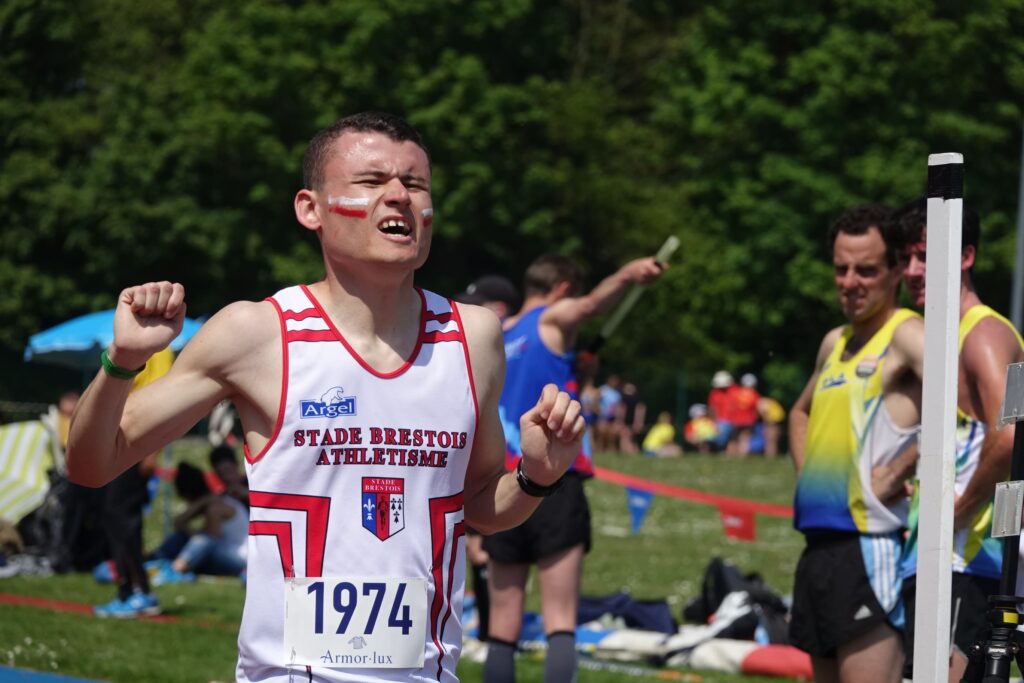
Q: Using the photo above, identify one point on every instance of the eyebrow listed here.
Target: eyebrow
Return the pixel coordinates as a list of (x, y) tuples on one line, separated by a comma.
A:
[(384, 174)]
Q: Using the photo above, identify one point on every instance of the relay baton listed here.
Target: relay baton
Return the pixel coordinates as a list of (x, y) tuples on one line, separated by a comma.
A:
[(627, 303)]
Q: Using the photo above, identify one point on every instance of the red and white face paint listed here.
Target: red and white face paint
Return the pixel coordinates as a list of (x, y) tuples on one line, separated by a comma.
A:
[(428, 217), (353, 207)]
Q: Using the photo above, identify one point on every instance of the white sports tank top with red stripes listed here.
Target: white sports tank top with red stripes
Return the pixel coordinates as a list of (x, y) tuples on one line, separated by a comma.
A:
[(362, 477)]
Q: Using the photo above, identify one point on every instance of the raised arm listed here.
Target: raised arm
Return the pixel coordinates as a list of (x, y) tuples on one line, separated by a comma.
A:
[(799, 414), (550, 434), (568, 314), (988, 349), (110, 430)]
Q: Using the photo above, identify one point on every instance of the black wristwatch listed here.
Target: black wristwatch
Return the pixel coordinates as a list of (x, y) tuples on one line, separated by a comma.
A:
[(532, 488)]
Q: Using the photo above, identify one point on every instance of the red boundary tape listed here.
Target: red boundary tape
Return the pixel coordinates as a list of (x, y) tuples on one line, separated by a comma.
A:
[(81, 608), (736, 504)]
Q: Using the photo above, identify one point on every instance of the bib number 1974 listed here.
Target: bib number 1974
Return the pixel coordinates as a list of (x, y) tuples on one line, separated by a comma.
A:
[(355, 623)]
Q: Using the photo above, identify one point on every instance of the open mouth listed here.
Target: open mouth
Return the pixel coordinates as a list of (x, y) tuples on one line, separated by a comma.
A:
[(394, 227)]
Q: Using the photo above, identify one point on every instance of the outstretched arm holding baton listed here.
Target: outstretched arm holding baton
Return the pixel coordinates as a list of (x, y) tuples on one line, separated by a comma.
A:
[(632, 296)]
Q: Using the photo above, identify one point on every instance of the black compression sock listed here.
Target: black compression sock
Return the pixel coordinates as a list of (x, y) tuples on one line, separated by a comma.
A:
[(500, 666), (560, 665)]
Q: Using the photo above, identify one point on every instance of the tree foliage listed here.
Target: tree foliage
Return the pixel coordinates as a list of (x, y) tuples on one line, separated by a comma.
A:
[(163, 139)]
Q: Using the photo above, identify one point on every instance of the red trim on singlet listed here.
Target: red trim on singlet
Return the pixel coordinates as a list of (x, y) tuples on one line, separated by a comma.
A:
[(304, 314), (438, 336), (311, 336), (458, 531), (284, 391), (359, 359), (469, 371), (318, 513), (439, 509), (282, 531), (443, 318)]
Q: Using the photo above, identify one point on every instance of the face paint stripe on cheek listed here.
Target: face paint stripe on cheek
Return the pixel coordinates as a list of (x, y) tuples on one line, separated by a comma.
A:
[(346, 206), (428, 217)]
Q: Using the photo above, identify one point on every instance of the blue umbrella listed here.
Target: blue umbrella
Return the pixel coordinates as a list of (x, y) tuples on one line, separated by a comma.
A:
[(77, 343)]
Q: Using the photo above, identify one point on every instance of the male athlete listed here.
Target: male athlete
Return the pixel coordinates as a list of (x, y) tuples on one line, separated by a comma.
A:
[(988, 343), (539, 343), (860, 410), (372, 436)]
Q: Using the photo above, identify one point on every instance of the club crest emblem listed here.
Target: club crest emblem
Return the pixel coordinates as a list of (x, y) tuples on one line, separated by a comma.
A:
[(383, 506), (867, 367)]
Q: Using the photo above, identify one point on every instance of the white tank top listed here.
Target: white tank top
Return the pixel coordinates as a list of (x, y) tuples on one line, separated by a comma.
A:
[(362, 477), (884, 443), (234, 532)]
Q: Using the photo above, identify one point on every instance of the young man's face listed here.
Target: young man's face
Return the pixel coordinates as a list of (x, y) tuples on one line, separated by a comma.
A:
[(375, 203), (865, 282), (914, 261), (228, 472)]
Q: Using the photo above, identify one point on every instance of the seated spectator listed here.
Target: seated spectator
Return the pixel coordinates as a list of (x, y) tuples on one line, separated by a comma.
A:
[(224, 463), (772, 415), (631, 423), (701, 431), (660, 440), (219, 548)]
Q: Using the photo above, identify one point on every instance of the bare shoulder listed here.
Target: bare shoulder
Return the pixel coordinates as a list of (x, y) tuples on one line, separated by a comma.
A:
[(481, 326), (234, 336), (485, 342), (908, 337), (991, 340), (910, 329)]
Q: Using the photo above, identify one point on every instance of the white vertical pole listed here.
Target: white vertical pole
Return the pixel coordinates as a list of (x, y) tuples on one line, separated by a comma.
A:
[(938, 418)]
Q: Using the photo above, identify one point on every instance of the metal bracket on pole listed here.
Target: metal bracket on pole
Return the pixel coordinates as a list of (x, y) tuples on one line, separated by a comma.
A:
[(1013, 401), (1009, 500)]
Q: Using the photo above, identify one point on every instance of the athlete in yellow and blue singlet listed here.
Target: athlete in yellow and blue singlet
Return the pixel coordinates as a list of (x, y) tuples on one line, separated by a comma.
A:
[(975, 552), (858, 412), (849, 433), (987, 344)]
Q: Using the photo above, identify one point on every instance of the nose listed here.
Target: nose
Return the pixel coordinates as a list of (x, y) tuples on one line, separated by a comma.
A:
[(396, 193), (846, 279)]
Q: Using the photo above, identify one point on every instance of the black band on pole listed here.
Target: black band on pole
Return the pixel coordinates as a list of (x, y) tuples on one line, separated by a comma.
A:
[(946, 181)]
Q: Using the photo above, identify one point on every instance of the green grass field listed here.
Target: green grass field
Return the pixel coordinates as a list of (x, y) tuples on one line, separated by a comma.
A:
[(665, 560)]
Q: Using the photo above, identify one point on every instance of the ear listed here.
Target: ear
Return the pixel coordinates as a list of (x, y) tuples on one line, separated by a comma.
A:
[(307, 211), (561, 290), (967, 257)]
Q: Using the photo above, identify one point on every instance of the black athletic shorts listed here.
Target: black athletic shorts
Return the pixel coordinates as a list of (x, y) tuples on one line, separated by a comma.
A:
[(833, 600), (560, 522), (971, 592)]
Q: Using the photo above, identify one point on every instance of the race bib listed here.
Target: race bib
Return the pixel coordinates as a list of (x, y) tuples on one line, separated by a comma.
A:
[(355, 623)]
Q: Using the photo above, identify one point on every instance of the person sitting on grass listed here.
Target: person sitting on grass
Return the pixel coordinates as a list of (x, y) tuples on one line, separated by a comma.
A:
[(661, 439), (219, 548), (224, 463)]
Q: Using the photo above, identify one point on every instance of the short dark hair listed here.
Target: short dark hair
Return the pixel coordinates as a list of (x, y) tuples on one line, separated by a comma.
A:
[(190, 483), (858, 220), (223, 453), (911, 219), (319, 149), (550, 269)]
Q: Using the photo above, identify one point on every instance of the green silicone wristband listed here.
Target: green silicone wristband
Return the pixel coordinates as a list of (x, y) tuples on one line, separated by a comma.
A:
[(115, 370)]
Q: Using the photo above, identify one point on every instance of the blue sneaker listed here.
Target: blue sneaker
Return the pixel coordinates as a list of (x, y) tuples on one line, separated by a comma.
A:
[(167, 574), (137, 605)]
